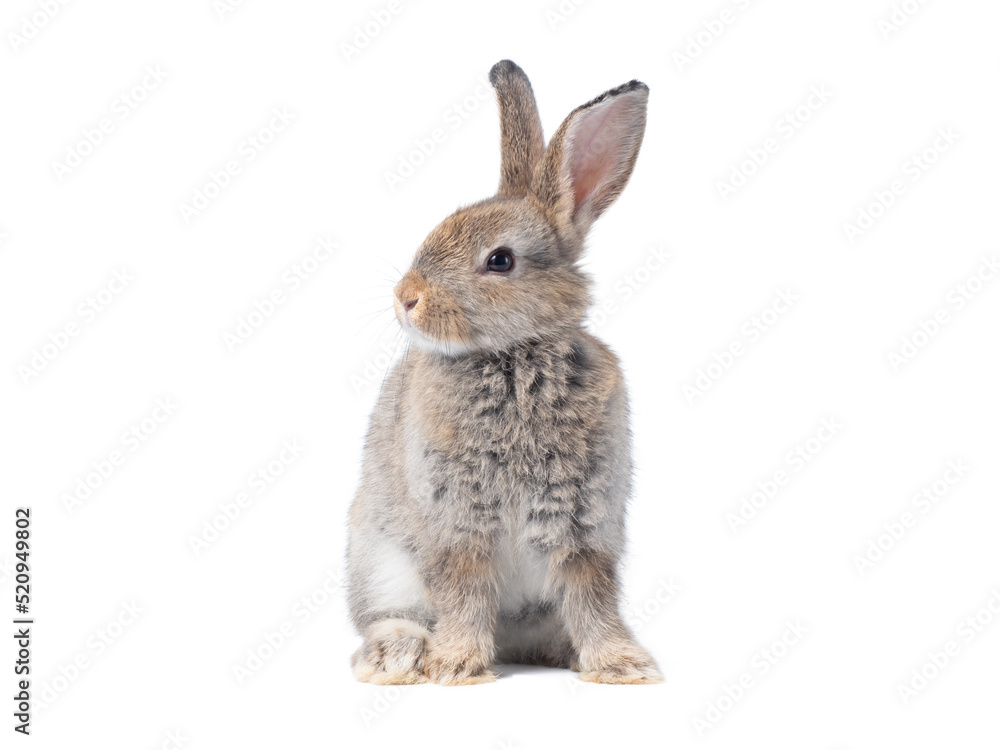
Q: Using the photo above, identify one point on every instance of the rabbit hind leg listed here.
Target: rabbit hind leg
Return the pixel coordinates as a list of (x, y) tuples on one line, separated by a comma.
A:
[(392, 653)]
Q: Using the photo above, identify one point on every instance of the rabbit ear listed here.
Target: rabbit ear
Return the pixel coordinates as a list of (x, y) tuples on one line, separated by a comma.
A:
[(590, 158), (521, 142)]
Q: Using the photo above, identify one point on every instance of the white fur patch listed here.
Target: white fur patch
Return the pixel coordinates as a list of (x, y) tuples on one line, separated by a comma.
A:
[(425, 342), (395, 582), (524, 573)]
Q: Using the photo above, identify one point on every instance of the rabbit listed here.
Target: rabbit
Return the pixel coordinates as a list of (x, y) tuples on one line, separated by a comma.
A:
[(489, 519)]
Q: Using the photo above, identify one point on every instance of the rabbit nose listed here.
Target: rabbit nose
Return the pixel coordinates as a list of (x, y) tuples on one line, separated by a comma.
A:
[(410, 304)]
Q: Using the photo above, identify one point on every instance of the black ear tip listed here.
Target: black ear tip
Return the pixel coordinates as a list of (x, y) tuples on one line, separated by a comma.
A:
[(505, 69), (632, 87)]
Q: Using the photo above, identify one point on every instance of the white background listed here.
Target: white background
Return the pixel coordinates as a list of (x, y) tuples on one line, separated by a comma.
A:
[(310, 372)]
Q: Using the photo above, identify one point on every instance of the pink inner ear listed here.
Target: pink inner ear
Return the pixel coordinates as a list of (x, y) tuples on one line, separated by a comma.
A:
[(595, 150), (588, 177)]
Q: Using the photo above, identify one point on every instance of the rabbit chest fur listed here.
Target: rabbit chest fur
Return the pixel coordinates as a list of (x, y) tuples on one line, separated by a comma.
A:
[(529, 448)]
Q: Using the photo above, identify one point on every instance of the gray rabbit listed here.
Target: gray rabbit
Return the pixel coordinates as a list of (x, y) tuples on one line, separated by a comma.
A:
[(490, 517)]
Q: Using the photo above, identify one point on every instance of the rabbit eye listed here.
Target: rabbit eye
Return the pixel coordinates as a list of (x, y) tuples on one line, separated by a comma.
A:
[(501, 261)]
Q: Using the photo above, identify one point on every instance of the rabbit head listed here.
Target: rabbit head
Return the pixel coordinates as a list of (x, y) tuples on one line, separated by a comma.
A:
[(504, 270)]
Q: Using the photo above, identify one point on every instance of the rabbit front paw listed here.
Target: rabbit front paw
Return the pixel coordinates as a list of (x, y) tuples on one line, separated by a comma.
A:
[(455, 665), (629, 667)]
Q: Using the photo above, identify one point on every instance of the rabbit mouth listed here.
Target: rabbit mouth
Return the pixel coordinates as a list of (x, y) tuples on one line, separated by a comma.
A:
[(429, 326)]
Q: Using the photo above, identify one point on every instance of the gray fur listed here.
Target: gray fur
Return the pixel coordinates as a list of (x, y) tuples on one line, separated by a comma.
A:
[(489, 520)]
